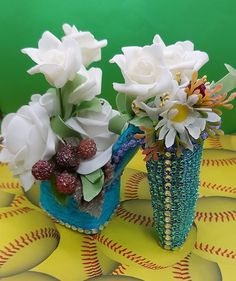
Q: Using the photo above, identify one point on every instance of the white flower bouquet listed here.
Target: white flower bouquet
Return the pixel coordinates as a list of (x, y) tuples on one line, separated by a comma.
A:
[(62, 139), (175, 111)]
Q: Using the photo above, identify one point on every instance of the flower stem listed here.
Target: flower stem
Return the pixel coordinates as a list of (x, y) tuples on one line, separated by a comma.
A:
[(61, 102)]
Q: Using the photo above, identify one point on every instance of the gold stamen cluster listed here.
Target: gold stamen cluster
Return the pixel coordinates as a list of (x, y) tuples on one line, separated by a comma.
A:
[(164, 98)]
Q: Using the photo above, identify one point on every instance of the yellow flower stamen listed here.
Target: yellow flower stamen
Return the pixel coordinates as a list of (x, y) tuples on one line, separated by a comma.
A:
[(178, 77), (183, 112), (164, 99), (136, 109)]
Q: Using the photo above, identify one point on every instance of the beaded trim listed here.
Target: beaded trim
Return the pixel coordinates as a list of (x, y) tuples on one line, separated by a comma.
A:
[(167, 213), (81, 230)]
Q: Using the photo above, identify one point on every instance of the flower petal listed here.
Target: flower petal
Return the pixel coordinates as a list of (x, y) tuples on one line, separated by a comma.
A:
[(184, 137), (90, 88), (213, 117), (194, 131), (48, 42), (33, 53), (160, 123), (157, 40), (27, 180), (170, 138), (163, 132), (193, 99), (99, 160)]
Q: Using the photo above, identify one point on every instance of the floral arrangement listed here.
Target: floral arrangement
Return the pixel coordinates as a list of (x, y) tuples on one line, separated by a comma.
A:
[(164, 97), (62, 136)]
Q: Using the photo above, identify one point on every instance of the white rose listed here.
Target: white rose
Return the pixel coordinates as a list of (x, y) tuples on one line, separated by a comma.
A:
[(59, 61), (49, 101), (144, 72), (95, 125), (27, 138), (90, 47), (90, 82), (181, 59)]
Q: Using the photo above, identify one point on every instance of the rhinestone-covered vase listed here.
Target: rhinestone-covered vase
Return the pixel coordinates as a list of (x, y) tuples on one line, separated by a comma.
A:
[(174, 183), (70, 215)]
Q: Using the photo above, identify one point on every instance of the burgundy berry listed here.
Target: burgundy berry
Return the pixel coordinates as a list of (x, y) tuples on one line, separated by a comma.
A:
[(87, 148), (67, 157), (42, 170), (66, 183)]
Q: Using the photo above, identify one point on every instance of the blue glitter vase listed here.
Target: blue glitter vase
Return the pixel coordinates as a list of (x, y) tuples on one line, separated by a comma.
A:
[(174, 183), (70, 215)]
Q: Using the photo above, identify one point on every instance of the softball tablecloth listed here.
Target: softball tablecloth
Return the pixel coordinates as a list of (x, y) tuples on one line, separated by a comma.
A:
[(33, 247)]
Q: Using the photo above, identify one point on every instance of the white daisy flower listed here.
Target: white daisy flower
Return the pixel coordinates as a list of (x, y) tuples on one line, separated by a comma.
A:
[(180, 117)]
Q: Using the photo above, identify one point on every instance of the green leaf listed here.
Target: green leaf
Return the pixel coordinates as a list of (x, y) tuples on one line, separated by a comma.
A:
[(228, 81), (92, 105), (142, 121), (117, 123), (92, 189), (61, 129), (67, 107), (124, 103), (61, 198), (214, 123), (203, 113), (94, 176), (66, 91)]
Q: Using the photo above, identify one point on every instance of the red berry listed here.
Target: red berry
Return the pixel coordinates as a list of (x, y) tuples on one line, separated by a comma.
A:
[(42, 170), (87, 148), (67, 157), (66, 183)]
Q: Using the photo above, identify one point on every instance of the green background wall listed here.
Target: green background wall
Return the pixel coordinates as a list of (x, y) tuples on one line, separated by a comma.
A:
[(211, 25)]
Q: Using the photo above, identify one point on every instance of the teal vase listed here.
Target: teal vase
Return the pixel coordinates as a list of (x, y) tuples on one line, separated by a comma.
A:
[(70, 215), (174, 184)]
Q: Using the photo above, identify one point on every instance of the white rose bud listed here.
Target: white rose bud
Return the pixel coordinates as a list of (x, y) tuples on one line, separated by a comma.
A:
[(90, 82), (59, 61), (144, 72), (28, 138), (181, 58), (90, 47)]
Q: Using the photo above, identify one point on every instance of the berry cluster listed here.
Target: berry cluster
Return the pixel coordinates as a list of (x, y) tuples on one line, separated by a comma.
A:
[(63, 165)]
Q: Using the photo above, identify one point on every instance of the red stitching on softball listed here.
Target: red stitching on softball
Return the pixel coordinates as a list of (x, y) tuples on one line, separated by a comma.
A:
[(134, 218), (216, 216), (219, 251), (18, 201), (120, 270), (131, 186), (10, 185), (215, 142), (219, 187), (12, 213), (181, 269), (218, 162), (24, 240), (89, 257), (128, 253)]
